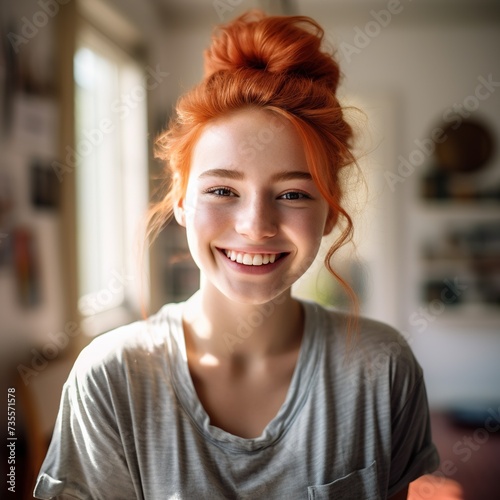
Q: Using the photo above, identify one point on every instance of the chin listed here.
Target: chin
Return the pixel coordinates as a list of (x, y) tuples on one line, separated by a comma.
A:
[(259, 298)]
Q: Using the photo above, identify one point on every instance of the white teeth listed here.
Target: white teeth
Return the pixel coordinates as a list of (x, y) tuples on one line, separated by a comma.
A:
[(257, 260), (247, 259)]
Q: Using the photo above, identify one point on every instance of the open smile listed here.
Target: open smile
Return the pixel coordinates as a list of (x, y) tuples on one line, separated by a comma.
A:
[(252, 259)]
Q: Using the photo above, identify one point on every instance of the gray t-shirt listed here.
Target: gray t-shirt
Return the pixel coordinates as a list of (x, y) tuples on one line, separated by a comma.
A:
[(354, 425)]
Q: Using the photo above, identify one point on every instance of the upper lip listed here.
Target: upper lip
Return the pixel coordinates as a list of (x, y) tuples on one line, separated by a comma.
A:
[(254, 250)]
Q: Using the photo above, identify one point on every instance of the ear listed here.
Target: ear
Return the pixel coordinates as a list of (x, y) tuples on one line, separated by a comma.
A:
[(330, 222), (180, 212)]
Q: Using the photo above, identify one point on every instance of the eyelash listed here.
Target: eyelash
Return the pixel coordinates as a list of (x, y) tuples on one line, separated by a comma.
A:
[(213, 191), (302, 196), (230, 193)]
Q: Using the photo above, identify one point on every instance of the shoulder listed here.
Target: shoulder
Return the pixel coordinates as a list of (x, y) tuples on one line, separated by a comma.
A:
[(372, 350), (359, 331), (126, 350), (365, 332)]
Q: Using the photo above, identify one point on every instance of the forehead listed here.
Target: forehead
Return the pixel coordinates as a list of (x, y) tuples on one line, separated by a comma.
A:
[(249, 140)]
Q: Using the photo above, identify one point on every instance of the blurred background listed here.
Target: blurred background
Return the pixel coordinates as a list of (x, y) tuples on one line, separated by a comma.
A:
[(86, 86)]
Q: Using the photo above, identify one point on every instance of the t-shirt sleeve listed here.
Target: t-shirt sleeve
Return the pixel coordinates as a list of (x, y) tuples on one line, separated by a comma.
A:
[(86, 456), (413, 452)]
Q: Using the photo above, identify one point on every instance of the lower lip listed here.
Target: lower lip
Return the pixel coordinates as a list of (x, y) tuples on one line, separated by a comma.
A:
[(242, 268)]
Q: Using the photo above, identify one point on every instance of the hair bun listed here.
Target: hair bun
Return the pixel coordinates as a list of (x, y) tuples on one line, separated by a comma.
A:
[(275, 44)]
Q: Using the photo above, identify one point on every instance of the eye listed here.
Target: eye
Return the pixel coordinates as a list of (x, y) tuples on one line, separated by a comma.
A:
[(221, 192), (295, 195)]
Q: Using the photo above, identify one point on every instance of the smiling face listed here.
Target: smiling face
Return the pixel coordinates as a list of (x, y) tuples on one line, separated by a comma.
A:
[(253, 215)]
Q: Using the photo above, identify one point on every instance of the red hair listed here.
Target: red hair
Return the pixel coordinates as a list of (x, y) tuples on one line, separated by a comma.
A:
[(274, 63)]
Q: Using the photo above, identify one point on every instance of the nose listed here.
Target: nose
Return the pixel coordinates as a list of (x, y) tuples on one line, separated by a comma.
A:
[(257, 219)]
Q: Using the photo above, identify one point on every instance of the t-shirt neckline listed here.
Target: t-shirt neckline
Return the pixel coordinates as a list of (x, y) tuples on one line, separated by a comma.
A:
[(298, 391)]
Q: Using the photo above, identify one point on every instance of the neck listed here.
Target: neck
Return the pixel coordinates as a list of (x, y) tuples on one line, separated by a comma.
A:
[(226, 330)]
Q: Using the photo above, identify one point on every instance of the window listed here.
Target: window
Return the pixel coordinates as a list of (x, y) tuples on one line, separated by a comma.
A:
[(111, 158)]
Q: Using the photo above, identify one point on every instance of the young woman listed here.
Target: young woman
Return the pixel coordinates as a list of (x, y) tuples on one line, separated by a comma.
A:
[(244, 391)]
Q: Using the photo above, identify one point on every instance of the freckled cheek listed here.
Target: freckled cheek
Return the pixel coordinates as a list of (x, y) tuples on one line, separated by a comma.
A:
[(308, 231), (209, 220)]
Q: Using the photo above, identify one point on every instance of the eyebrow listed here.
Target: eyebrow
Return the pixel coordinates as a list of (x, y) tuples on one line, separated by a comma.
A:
[(286, 175), (223, 173)]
